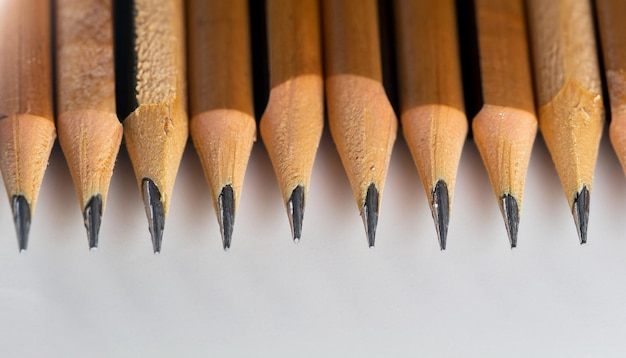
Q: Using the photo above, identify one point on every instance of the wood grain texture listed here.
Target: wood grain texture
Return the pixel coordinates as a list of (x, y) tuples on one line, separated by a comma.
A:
[(89, 130), (27, 130), (431, 91), (612, 28), (220, 79), (292, 124), (156, 131), (505, 127), (567, 82), (361, 119)]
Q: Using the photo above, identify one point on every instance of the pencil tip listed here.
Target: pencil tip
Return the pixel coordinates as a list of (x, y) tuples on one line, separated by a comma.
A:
[(295, 212), (21, 217), (440, 209), (226, 217), (580, 210), (92, 217), (154, 212), (369, 214), (510, 211)]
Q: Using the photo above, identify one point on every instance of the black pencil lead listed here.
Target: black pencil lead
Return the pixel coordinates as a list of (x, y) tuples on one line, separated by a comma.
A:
[(92, 216), (21, 217), (369, 214), (154, 212), (580, 210), (295, 212), (440, 209), (226, 215), (510, 212)]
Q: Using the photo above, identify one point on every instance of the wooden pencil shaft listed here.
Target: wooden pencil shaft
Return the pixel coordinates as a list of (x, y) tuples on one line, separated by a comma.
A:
[(150, 58), (352, 45), (294, 39), (612, 29), (504, 60), (429, 69), (84, 50), (25, 61), (563, 47), (219, 56)]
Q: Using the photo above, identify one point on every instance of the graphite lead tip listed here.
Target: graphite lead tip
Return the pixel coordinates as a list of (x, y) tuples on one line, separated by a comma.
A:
[(92, 217), (226, 217), (440, 209), (154, 211), (21, 217), (369, 214), (295, 212), (510, 212), (580, 210)]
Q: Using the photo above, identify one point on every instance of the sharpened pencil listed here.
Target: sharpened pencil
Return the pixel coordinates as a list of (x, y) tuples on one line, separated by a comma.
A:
[(569, 95), (431, 99), (89, 130), (27, 130), (152, 99), (505, 127), (362, 122), (220, 91), (292, 124)]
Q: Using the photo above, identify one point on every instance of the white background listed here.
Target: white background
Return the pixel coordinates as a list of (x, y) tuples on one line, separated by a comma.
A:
[(328, 296)]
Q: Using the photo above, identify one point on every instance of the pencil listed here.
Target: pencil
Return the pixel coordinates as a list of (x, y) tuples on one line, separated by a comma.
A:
[(431, 99), (292, 124), (505, 127), (361, 119), (89, 130), (220, 91), (569, 100), (152, 100), (27, 130), (612, 28)]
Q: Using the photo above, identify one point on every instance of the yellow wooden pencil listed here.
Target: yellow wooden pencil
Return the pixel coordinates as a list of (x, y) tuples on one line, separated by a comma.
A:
[(89, 130), (569, 95), (431, 98), (152, 99), (361, 119), (220, 91), (27, 130), (505, 127), (294, 118)]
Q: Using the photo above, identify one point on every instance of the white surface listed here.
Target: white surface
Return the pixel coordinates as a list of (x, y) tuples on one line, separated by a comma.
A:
[(329, 296)]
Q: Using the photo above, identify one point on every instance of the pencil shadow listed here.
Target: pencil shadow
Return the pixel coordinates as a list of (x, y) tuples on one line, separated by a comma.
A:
[(58, 189), (543, 189), (609, 192), (332, 191), (192, 201), (405, 198), (125, 205), (261, 199), (474, 194)]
